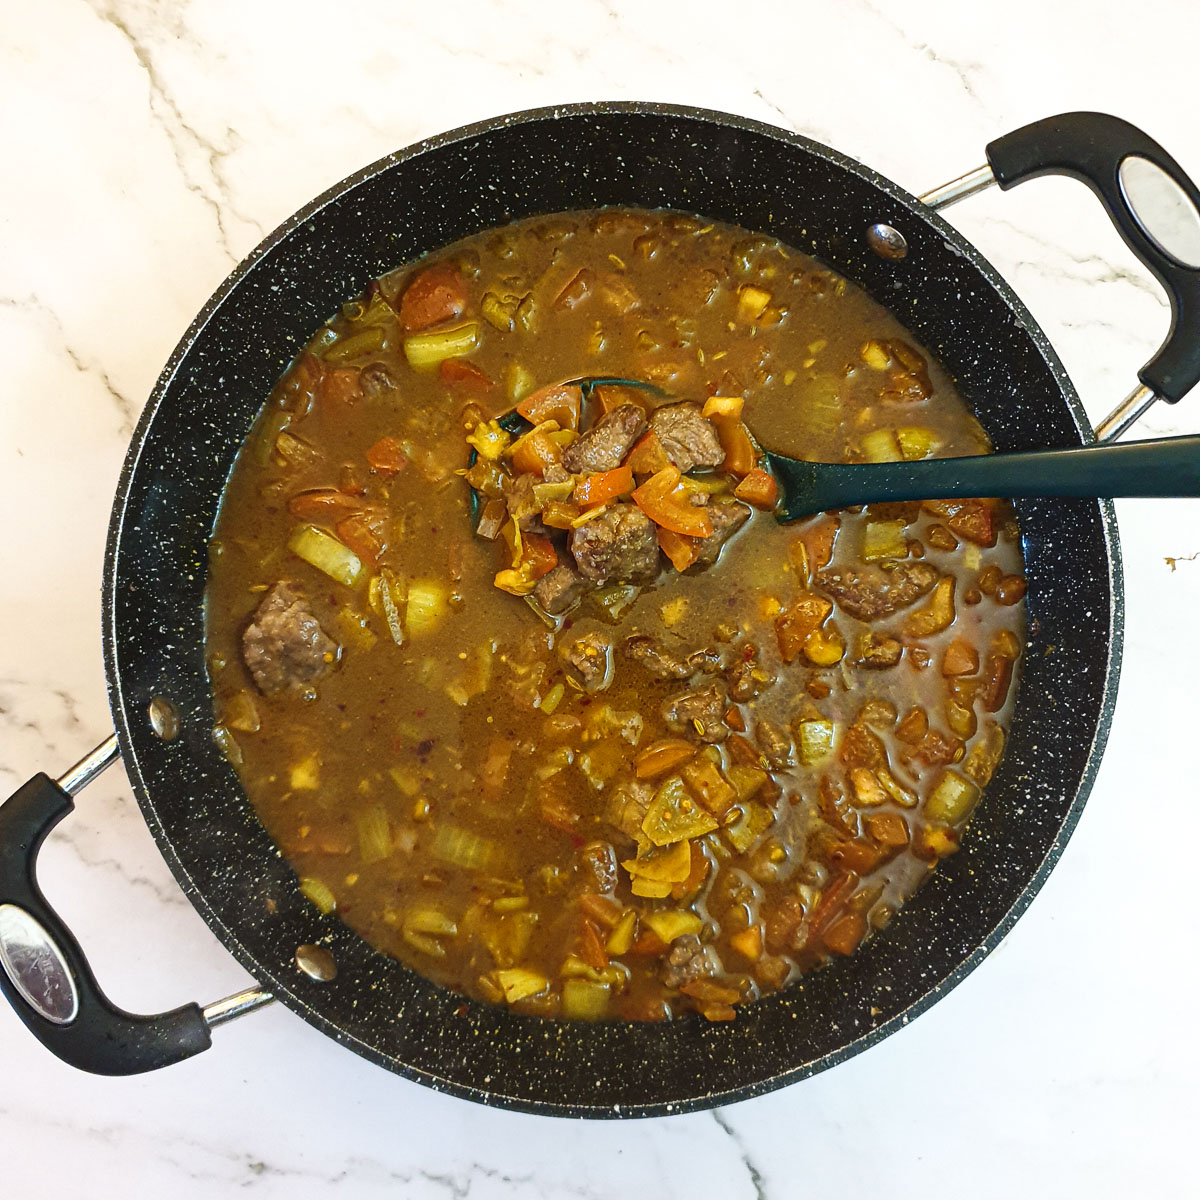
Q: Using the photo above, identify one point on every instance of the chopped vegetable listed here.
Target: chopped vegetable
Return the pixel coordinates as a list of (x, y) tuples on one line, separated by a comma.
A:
[(881, 446), (709, 785), (918, 442), (682, 551), (460, 847), (662, 756), (798, 621), (884, 539), (758, 488), (935, 616), (667, 864), (584, 999), (673, 816), (519, 983), (673, 924), (427, 605), (952, 799), (319, 894), (603, 487), (305, 775), (648, 456), (749, 827), (374, 834), (489, 440), (425, 351), (621, 937), (386, 457), (814, 741), (559, 402), (752, 303), (323, 551)]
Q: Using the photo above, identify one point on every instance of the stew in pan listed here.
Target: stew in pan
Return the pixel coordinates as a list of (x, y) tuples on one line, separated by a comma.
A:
[(563, 718)]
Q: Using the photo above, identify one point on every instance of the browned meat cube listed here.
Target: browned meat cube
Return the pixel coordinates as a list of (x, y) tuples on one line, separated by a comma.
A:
[(775, 742), (728, 516), (875, 591), (700, 711), (559, 589), (284, 646), (688, 961), (620, 544), (589, 659), (689, 439), (878, 651), (522, 506), (604, 446)]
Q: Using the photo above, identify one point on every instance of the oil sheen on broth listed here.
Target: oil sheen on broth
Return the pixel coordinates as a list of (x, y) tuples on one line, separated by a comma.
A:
[(609, 742)]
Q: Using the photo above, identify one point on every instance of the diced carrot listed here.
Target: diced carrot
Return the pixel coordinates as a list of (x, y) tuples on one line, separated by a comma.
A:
[(591, 948), (435, 295), (961, 658), (534, 452), (648, 945), (464, 373), (559, 402), (340, 386), (710, 991), (970, 519), (662, 756), (603, 486), (539, 553), (844, 935), (797, 621), (813, 549), (604, 910), (667, 504), (682, 551), (887, 828), (725, 412), (365, 534), (387, 456), (323, 504), (758, 488), (648, 456), (748, 943)]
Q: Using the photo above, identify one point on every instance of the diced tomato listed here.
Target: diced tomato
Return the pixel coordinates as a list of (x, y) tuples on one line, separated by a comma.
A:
[(797, 621), (591, 948), (662, 756), (758, 488), (534, 452), (668, 505), (559, 402), (365, 534), (648, 945), (682, 551), (340, 386), (814, 547), (614, 395), (462, 372), (560, 514), (603, 486), (387, 457), (436, 294), (725, 412), (539, 553), (323, 504), (648, 456)]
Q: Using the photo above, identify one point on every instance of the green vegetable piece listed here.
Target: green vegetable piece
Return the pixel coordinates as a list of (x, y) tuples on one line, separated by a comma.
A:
[(323, 551), (425, 350), (674, 816), (584, 999), (319, 894), (814, 741), (952, 799)]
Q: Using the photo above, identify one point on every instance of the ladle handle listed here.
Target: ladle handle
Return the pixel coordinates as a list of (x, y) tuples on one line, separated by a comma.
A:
[(1094, 147)]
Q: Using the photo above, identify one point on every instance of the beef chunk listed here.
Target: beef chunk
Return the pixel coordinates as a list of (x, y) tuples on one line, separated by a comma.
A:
[(555, 473), (284, 646), (667, 664), (521, 504), (775, 742), (878, 590), (559, 589), (589, 659), (621, 543), (627, 805), (605, 445), (728, 516), (700, 711), (598, 866), (688, 961), (689, 439), (878, 651), (747, 676), (376, 380)]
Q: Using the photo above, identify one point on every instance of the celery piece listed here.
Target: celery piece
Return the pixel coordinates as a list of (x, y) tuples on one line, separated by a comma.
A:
[(584, 1000), (424, 943), (361, 343), (319, 894), (814, 741), (430, 920), (884, 539), (621, 937), (425, 350), (880, 445), (374, 834), (673, 923), (323, 551), (952, 799), (461, 848), (428, 602), (305, 775), (918, 442), (674, 816), (518, 983), (510, 904), (749, 827)]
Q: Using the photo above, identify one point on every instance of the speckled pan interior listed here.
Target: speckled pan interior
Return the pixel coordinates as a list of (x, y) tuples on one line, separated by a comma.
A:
[(419, 200)]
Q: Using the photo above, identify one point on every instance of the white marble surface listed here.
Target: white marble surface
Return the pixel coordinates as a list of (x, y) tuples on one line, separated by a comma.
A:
[(148, 146)]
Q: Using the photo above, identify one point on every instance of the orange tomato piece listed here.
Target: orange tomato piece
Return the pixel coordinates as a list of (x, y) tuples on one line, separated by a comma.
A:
[(667, 503), (323, 504), (539, 553), (813, 549), (682, 551), (559, 402), (648, 456), (340, 386), (662, 756), (534, 452), (387, 456), (365, 534), (435, 295), (591, 948), (462, 371), (603, 486), (758, 488), (797, 621)]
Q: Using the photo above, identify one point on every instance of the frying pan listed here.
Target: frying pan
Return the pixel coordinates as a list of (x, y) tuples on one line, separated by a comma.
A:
[(887, 241)]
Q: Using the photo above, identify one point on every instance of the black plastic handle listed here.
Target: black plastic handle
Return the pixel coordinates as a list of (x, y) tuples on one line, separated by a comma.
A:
[(1091, 147), (99, 1037), (1161, 467)]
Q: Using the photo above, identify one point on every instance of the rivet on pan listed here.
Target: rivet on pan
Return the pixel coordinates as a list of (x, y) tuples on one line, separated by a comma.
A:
[(316, 962), (164, 720), (886, 241)]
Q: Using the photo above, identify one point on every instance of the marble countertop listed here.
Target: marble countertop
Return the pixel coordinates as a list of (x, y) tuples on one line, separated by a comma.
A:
[(149, 146)]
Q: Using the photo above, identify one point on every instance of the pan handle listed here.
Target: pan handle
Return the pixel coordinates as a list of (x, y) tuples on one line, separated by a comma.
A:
[(1118, 162), (43, 971)]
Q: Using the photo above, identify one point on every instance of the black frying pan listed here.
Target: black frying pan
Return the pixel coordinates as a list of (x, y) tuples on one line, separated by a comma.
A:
[(203, 406)]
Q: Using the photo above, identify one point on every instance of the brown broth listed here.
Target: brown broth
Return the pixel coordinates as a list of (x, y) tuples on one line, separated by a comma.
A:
[(372, 786)]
